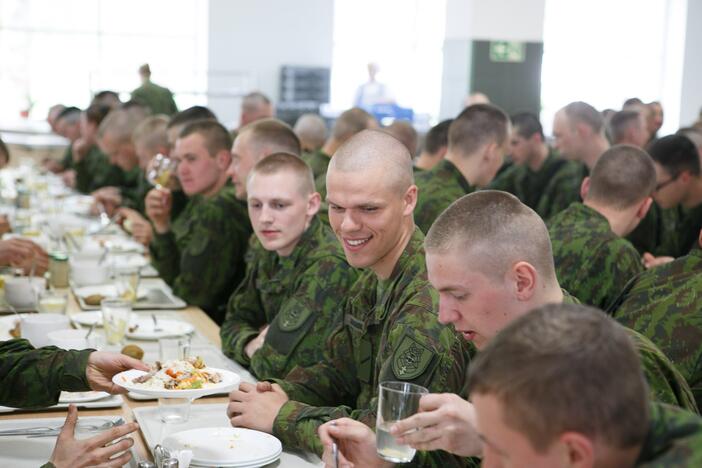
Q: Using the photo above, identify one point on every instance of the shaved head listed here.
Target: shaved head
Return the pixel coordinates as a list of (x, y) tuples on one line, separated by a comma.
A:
[(375, 149), (496, 227)]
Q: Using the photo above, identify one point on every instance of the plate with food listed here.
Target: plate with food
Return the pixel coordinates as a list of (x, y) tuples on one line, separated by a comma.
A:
[(146, 329), (82, 397), (226, 446), (183, 378)]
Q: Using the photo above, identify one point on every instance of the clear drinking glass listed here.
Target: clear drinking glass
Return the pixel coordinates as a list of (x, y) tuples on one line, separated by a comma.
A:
[(115, 318), (127, 282), (160, 171), (396, 401), (52, 302), (174, 410)]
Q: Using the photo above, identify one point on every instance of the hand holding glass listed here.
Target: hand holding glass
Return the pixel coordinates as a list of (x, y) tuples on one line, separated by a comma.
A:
[(396, 401)]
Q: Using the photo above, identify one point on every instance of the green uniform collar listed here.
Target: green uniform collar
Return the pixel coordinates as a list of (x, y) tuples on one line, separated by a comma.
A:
[(303, 247), (450, 168)]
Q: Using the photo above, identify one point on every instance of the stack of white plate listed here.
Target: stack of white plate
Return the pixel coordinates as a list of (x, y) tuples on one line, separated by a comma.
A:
[(227, 447)]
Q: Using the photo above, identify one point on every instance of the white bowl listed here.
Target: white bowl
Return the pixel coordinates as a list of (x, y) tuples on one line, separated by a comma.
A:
[(69, 339), (88, 272), (36, 327), (21, 292)]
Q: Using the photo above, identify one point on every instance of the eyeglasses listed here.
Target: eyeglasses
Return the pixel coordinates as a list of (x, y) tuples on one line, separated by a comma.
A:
[(662, 185)]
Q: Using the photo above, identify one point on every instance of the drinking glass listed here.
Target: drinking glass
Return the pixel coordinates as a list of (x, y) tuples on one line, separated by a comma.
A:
[(174, 410), (397, 400), (52, 302), (115, 318), (161, 170), (127, 282)]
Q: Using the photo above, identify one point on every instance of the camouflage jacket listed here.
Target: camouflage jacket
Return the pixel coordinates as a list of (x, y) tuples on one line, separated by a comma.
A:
[(666, 384), (547, 191), (67, 158), (390, 332), (318, 162), (95, 171), (34, 378), (202, 256), (297, 295), (438, 188), (664, 303), (157, 98), (674, 439), (682, 229), (592, 262)]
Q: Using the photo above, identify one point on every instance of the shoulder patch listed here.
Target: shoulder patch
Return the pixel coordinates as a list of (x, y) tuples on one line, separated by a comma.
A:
[(410, 359), (292, 318)]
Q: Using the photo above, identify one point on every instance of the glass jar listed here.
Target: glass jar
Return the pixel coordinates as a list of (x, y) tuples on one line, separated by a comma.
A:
[(58, 269)]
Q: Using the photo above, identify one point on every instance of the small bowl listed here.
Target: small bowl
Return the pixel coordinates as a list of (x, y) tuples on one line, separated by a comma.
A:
[(21, 292), (88, 272), (69, 339), (36, 327)]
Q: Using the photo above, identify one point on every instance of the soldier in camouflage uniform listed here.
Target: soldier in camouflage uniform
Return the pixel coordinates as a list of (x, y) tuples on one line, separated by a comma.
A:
[(155, 97), (201, 253), (390, 329), (664, 304), (593, 260), (560, 362), (435, 146), (477, 143), (311, 129), (283, 312), (538, 177)]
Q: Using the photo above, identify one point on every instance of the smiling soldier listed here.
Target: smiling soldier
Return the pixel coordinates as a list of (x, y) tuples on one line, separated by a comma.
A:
[(288, 304)]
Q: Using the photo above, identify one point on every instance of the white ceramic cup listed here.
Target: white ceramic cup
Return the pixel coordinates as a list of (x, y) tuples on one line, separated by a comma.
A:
[(88, 272), (36, 327), (21, 292), (69, 339)]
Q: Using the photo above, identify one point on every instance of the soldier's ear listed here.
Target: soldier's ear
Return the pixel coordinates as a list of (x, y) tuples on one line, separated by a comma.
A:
[(313, 203), (584, 187), (524, 278), (700, 239), (644, 207), (410, 199)]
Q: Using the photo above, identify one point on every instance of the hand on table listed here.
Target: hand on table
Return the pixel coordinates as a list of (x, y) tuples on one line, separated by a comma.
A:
[(72, 453), (355, 443), (22, 253), (445, 421), (255, 344), (139, 226), (102, 366), (159, 203), (651, 261), (69, 178), (256, 406), (106, 198)]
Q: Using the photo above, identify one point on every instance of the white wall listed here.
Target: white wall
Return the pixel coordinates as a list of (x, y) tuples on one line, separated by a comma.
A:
[(691, 94), (249, 40)]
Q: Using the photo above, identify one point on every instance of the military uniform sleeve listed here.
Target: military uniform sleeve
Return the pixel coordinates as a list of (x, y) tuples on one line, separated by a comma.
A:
[(34, 378), (165, 256), (621, 266), (565, 191), (244, 317), (298, 334)]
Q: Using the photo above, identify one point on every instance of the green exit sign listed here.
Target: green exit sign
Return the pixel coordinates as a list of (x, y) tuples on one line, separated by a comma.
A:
[(507, 51)]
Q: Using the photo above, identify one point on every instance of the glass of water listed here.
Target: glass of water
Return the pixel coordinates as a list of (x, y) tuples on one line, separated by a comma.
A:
[(52, 302), (174, 410), (115, 318), (396, 401)]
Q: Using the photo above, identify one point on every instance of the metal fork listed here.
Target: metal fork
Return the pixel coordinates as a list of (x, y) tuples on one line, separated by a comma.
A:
[(157, 327)]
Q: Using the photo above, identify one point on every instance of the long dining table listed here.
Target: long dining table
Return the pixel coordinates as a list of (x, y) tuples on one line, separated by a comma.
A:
[(204, 336)]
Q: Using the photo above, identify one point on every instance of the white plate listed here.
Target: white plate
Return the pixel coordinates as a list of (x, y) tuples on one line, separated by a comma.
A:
[(127, 261), (226, 446), (95, 316), (145, 330), (81, 397), (229, 382), (7, 323)]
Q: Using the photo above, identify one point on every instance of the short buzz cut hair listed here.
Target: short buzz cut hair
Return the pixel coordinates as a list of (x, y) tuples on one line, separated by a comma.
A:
[(70, 114), (676, 153), (351, 122), (499, 228), (550, 368), (272, 133), (437, 137), (583, 113), (151, 132), (96, 113), (527, 124), (477, 126), (120, 123), (216, 137), (621, 122), (286, 162), (191, 114), (623, 176)]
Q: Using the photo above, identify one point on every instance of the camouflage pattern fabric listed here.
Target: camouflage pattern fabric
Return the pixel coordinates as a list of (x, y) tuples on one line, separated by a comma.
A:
[(95, 171), (664, 303), (390, 332), (67, 159), (34, 378), (546, 191), (666, 384), (674, 439), (682, 229), (202, 256), (438, 188), (318, 162), (155, 97), (300, 296), (133, 188), (592, 262)]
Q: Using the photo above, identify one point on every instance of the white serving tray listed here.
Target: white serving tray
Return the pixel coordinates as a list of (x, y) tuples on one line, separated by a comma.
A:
[(158, 295), (23, 452), (207, 415), (114, 401)]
